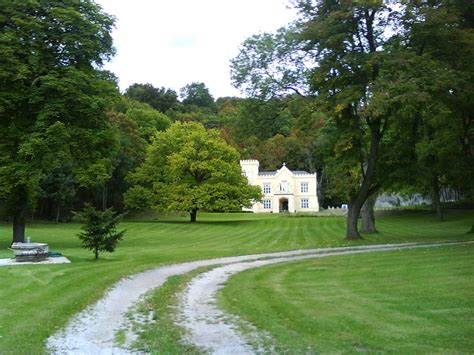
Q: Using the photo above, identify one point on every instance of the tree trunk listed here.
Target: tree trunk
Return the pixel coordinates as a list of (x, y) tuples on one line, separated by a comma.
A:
[(435, 196), (104, 196), (193, 215), (367, 215), (19, 222), (472, 229), (58, 213), (368, 221), (367, 185), (319, 188), (352, 218), (96, 253)]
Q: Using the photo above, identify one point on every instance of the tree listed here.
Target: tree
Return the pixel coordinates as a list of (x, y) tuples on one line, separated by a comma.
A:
[(53, 97), (99, 230), (133, 141), (367, 215), (149, 120), (442, 32), (346, 40), (263, 118), (160, 99), (197, 94), (188, 168), (135, 124)]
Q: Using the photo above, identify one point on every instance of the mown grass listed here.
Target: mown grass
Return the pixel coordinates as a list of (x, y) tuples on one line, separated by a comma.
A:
[(405, 302), (37, 300)]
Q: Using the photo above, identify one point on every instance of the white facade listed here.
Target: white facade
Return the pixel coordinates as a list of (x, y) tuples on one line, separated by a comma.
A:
[(284, 190)]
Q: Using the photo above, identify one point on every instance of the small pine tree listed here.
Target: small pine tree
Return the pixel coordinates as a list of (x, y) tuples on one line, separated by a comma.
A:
[(99, 230)]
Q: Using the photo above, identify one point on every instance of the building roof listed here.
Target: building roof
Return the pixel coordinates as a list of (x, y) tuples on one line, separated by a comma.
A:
[(273, 173), (267, 173), (299, 172)]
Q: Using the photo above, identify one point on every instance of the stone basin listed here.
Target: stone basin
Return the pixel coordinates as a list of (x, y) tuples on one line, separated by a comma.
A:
[(30, 251)]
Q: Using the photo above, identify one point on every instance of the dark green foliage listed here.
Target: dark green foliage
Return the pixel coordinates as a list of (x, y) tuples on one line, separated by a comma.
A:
[(160, 99), (99, 230), (264, 119), (134, 126), (198, 95), (409, 96), (53, 98), (60, 187)]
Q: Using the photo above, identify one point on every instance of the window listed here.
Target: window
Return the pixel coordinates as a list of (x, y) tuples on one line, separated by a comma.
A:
[(267, 204), (304, 187), (284, 187), (304, 203), (267, 188)]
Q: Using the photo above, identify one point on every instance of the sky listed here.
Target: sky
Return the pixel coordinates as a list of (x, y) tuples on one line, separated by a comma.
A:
[(171, 43)]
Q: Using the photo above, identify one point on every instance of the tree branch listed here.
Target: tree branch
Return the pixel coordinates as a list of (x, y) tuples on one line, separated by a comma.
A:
[(295, 90)]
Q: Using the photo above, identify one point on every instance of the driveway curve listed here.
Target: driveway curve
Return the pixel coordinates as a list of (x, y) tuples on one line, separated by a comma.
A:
[(93, 330)]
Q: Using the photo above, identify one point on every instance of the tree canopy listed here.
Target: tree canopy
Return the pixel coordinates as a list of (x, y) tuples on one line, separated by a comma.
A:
[(197, 94), (160, 99)]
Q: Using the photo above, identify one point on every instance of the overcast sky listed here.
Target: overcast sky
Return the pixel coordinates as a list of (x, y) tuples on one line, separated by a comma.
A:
[(172, 43)]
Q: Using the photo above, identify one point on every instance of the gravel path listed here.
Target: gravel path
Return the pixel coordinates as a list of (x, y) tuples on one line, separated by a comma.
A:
[(93, 330)]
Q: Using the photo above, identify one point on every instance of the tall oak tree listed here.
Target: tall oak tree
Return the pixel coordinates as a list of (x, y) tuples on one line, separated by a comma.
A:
[(53, 97)]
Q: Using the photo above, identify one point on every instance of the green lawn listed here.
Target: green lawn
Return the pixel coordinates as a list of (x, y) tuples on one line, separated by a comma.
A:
[(37, 300), (406, 302)]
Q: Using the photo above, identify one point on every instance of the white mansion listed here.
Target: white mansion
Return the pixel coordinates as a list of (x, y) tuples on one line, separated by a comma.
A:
[(284, 190)]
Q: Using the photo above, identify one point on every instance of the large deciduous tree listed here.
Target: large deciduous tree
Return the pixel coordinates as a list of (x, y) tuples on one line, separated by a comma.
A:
[(53, 98), (189, 168), (344, 46)]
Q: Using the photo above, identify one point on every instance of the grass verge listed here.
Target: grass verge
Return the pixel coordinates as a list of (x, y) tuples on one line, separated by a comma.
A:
[(161, 335)]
